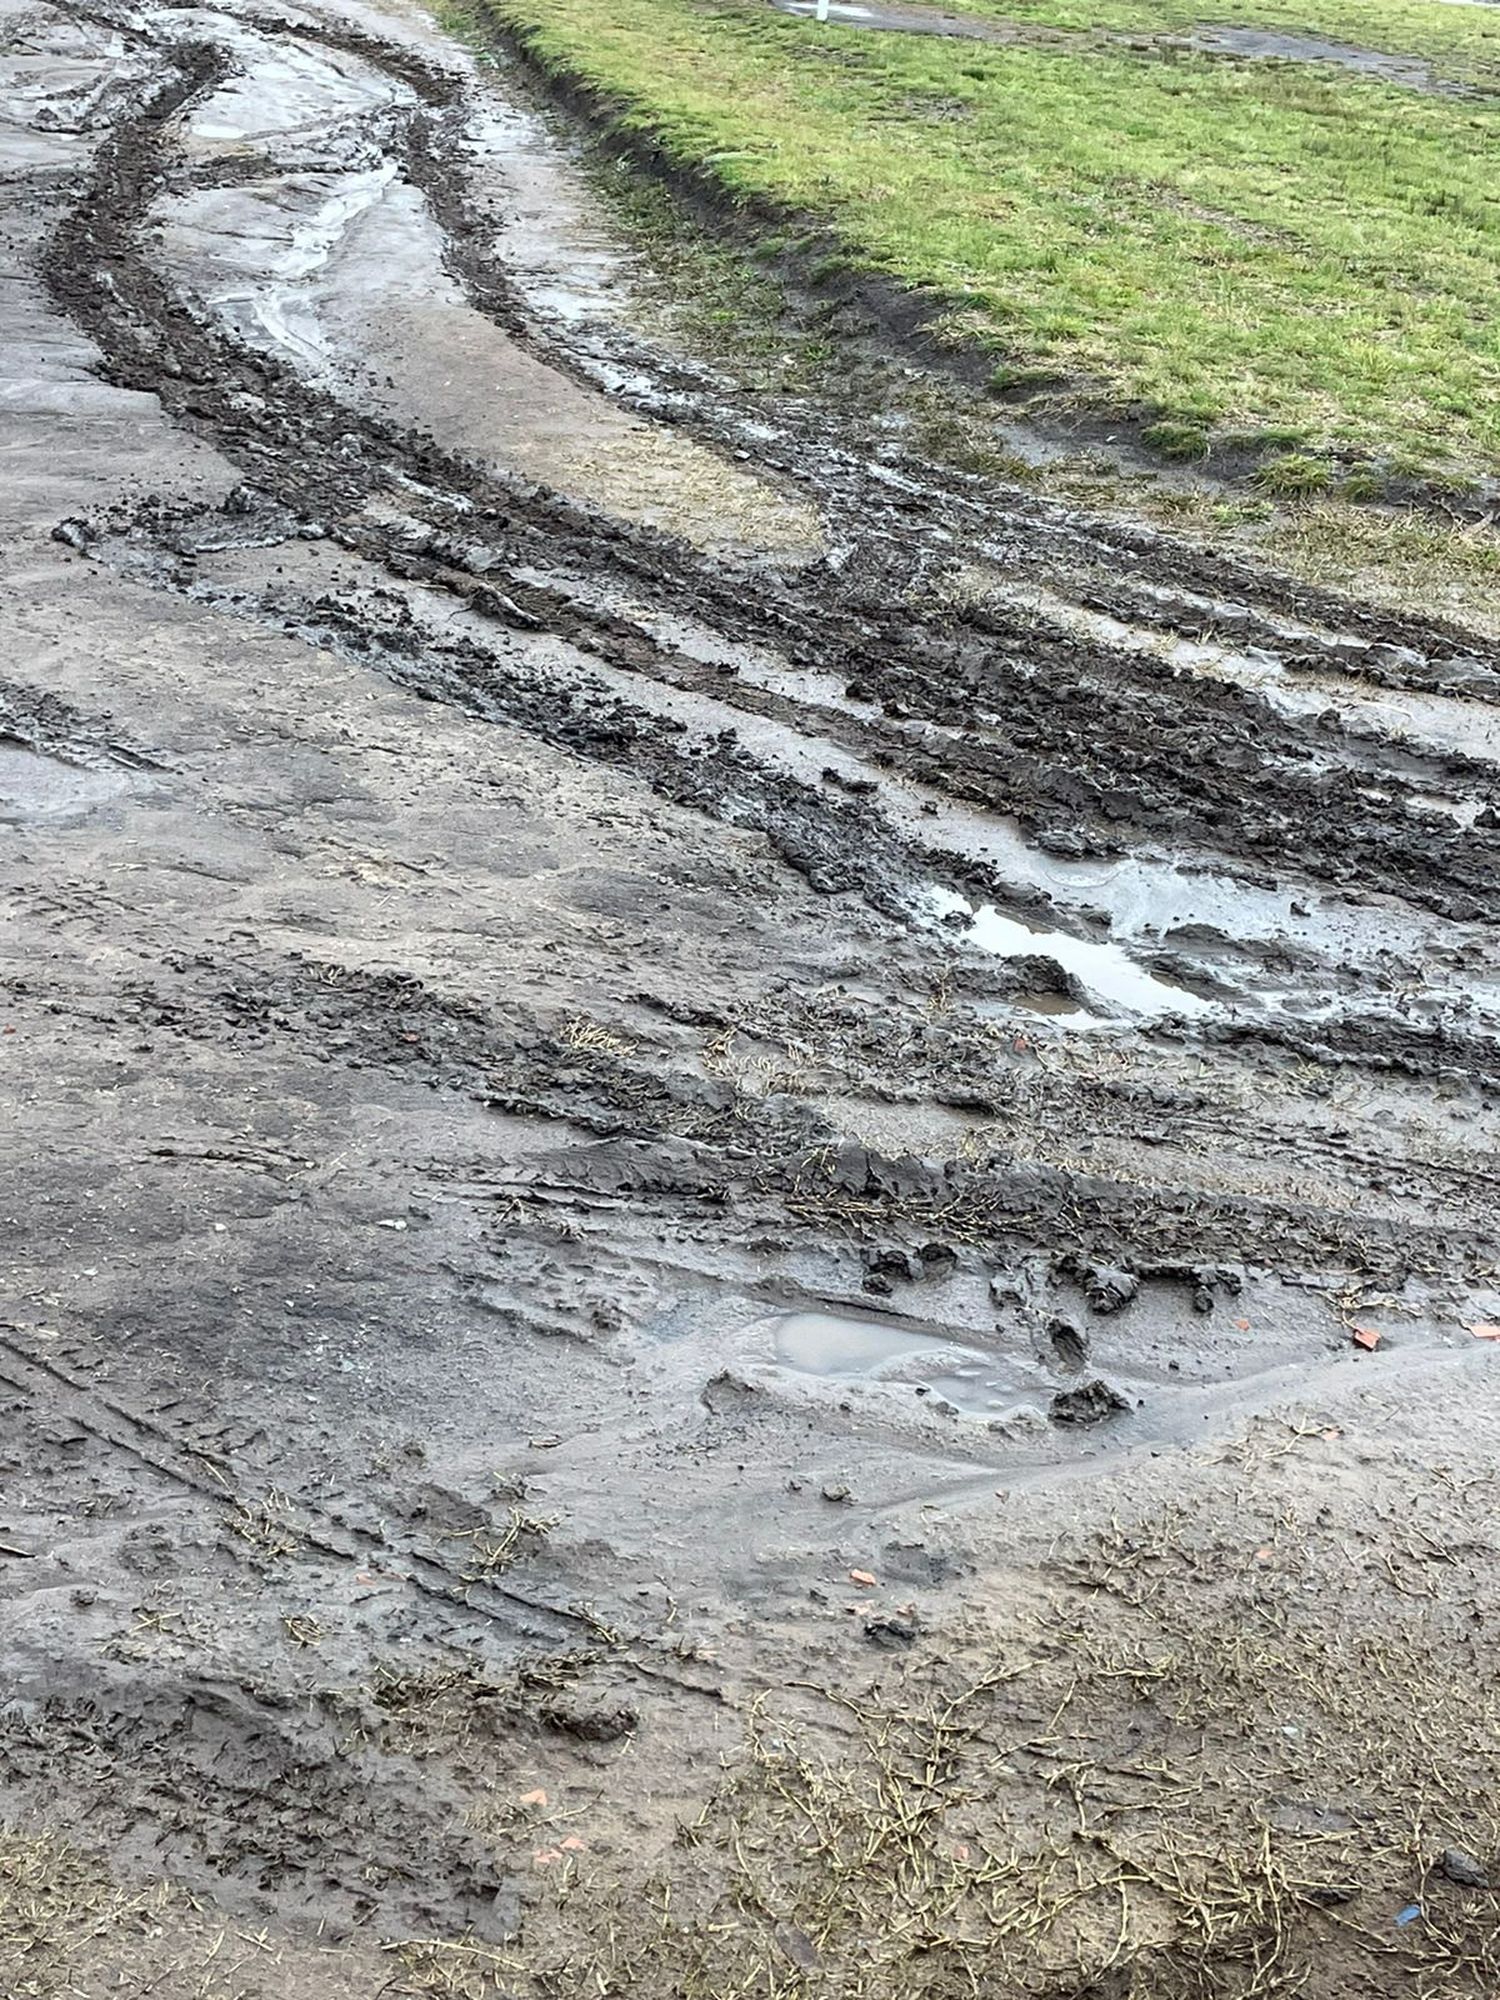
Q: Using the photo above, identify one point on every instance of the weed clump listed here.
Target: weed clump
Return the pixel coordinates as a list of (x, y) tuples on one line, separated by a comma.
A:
[(1176, 439), (1293, 475)]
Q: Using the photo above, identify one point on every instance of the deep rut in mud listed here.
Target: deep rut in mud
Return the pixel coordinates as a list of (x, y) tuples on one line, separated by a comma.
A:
[(1048, 952)]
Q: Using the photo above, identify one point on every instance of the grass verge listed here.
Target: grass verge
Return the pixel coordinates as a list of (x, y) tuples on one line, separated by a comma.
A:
[(730, 298), (1269, 263)]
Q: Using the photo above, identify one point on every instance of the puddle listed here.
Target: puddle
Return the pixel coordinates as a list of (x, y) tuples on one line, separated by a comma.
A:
[(1407, 72), (286, 90), (66, 92), (902, 21), (35, 786), (827, 10), (1105, 970), (817, 1343), (1152, 901), (570, 270), (1144, 896), (833, 1346), (283, 309), (1050, 1003)]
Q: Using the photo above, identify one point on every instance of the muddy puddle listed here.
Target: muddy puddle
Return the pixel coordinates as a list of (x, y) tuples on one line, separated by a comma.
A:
[(1129, 939), (1238, 932), (954, 1378), (571, 270), (1053, 1003), (35, 786), (1111, 980), (1037, 1400), (1146, 898), (288, 93), (1260, 44), (1423, 719)]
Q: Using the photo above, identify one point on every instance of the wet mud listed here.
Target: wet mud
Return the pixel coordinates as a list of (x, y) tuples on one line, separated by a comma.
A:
[(620, 990)]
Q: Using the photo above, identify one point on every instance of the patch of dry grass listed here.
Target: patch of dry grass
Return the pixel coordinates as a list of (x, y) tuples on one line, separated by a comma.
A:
[(1411, 560), (1170, 1758), (69, 1931), (55, 1905), (590, 1038), (450, 1969), (265, 1526), (1204, 1771), (495, 1550)]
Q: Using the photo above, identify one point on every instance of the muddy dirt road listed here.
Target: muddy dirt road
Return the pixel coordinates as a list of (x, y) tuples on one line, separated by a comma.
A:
[(649, 1045)]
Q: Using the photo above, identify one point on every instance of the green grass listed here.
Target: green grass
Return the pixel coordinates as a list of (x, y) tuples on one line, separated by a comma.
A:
[(1459, 41), (1277, 254)]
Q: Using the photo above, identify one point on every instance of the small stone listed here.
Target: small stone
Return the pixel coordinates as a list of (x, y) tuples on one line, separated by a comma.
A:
[(894, 1266), (1069, 1344), (1064, 840), (1017, 1420), (835, 1490), (1460, 1866), (890, 1631), (1228, 1278)]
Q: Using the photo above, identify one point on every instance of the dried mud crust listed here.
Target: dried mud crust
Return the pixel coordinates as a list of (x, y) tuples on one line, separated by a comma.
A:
[(511, 979)]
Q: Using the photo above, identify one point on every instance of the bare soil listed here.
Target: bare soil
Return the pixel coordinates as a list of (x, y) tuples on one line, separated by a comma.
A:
[(750, 1234)]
